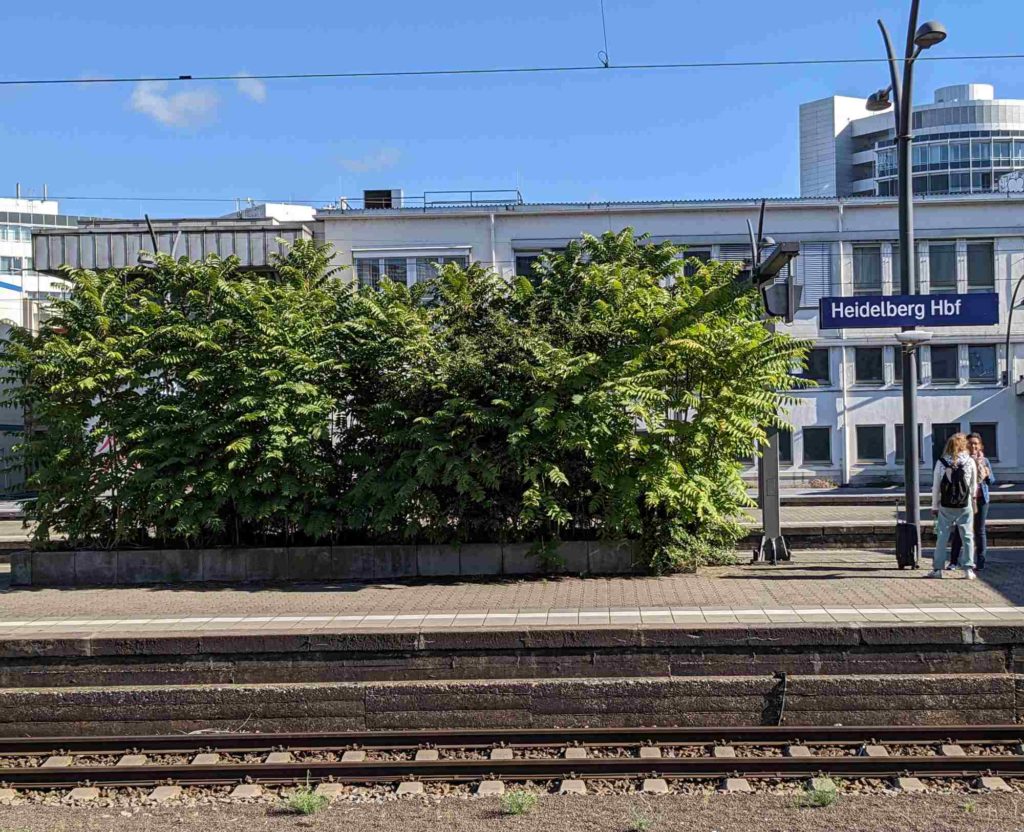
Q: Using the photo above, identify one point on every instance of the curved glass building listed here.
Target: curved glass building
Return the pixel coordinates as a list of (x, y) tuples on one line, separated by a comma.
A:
[(963, 143)]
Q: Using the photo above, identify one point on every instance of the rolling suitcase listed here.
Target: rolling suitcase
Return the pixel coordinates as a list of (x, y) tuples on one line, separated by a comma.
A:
[(907, 552)]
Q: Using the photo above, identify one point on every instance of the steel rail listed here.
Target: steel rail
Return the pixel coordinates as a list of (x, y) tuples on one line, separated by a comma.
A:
[(485, 738), (388, 771)]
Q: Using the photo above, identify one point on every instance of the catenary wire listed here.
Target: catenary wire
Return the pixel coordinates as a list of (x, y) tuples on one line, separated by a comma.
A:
[(419, 73)]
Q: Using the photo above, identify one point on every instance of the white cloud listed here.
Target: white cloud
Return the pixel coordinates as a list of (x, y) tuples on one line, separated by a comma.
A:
[(181, 109), (385, 157), (252, 88)]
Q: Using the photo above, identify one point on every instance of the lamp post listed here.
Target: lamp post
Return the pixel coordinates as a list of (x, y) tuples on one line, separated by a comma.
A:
[(901, 91)]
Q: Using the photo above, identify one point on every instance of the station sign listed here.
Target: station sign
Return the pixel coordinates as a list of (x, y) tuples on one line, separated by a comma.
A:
[(885, 311)]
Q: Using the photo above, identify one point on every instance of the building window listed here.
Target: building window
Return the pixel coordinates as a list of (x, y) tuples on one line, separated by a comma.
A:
[(981, 153), (785, 446), (525, 263), (868, 364), (867, 270), (945, 364), (960, 155), (942, 268), (694, 259), (817, 445), (870, 443), (368, 272), (1002, 154), (981, 267), (899, 443), (818, 368), (395, 269), (987, 432), (960, 183), (897, 364), (426, 267), (981, 363), (981, 181), (940, 435)]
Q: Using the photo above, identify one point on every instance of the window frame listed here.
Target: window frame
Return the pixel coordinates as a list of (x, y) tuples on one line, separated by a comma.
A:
[(945, 381), (879, 436), (994, 378), (898, 452), (872, 382), (805, 460), (861, 254), (991, 453), (990, 285), (946, 288), (804, 372)]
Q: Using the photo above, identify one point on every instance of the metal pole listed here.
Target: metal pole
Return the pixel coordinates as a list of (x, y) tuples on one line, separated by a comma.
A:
[(908, 278), (1009, 329), (903, 107)]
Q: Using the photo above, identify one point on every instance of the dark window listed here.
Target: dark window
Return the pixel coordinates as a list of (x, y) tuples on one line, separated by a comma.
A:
[(987, 431), (897, 365), (981, 181), (524, 264), (938, 183), (817, 445), (899, 443), (942, 268), (694, 259), (818, 366), (786, 446), (945, 365), (981, 267), (868, 365), (867, 270), (940, 435), (870, 443), (981, 363)]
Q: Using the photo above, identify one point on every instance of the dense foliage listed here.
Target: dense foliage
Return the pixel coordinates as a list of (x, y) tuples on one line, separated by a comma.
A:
[(610, 394)]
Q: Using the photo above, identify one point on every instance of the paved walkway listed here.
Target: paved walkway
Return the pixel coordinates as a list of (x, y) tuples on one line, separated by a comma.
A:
[(816, 587)]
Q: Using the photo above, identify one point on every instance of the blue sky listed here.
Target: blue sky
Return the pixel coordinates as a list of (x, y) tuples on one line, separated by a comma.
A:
[(586, 136)]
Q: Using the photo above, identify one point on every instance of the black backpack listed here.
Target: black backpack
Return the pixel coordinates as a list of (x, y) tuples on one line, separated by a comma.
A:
[(953, 491)]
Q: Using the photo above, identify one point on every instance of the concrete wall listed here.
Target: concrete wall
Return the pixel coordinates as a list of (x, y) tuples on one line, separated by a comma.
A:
[(310, 563)]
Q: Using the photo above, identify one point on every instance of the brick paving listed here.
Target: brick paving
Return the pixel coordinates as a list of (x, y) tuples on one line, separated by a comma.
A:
[(816, 587)]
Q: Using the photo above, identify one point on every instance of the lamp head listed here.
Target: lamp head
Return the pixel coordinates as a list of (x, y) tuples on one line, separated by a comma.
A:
[(929, 34), (914, 338), (879, 101)]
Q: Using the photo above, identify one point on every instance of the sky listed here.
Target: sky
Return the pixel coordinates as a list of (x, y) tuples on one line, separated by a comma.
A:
[(586, 136)]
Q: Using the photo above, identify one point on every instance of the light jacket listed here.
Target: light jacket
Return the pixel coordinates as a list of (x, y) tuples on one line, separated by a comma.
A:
[(970, 470), (987, 481)]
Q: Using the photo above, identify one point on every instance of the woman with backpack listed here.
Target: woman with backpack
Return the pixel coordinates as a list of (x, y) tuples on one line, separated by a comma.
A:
[(976, 448), (954, 484)]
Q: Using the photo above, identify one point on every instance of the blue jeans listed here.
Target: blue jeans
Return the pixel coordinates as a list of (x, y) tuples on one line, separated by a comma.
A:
[(980, 538), (946, 520)]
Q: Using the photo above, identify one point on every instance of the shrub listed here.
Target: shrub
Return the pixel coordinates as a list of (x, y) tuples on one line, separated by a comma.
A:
[(305, 801), (517, 802), (611, 394)]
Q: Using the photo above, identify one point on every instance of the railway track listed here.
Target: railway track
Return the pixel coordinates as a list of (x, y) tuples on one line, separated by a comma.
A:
[(220, 759)]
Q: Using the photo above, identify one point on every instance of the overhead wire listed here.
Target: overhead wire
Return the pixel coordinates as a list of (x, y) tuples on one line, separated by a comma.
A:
[(420, 73)]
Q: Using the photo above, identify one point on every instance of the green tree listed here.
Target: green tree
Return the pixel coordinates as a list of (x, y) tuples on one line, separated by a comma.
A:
[(609, 394)]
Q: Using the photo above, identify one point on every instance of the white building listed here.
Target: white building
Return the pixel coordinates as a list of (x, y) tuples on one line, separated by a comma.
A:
[(963, 143), (847, 429)]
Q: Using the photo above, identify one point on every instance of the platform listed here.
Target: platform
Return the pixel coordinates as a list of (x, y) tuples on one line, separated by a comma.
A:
[(832, 637)]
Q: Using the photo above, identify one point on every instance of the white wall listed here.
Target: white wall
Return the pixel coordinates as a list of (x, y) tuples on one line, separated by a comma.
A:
[(495, 237)]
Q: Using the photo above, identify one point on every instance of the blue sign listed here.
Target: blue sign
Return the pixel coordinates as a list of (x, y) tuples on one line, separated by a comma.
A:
[(880, 311)]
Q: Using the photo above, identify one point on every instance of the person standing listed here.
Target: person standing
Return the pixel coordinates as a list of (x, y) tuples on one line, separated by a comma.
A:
[(986, 477), (954, 485)]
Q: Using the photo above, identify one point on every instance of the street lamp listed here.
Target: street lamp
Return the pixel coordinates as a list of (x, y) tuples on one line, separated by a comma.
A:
[(901, 91)]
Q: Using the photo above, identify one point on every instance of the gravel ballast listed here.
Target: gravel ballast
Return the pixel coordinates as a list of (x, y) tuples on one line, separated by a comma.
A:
[(763, 812)]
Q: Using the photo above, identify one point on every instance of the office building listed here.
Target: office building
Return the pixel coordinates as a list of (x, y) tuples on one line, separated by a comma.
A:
[(964, 142)]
